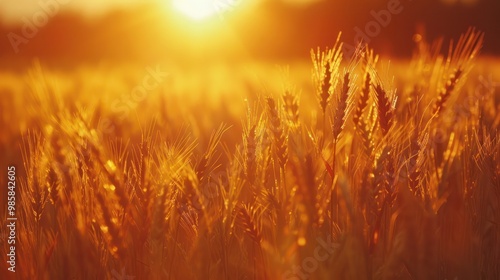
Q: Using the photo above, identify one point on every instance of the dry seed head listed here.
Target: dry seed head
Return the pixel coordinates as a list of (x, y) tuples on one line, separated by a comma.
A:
[(382, 172), (342, 108), (326, 86), (53, 185), (143, 186), (250, 154), (366, 137), (416, 164), (280, 139), (206, 161), (461, 56), (466, 50), (291, 106), (109, 228), (322, 76), (325, 72), (445, 93), (362, 101), (60, 162), (385, 109), (246, 218)]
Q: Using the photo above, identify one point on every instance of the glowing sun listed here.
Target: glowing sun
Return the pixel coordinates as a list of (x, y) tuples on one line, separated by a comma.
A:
[(199, 9)]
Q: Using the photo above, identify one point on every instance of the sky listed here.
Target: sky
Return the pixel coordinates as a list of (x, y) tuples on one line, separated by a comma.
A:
[(269, 29), (12, 11)]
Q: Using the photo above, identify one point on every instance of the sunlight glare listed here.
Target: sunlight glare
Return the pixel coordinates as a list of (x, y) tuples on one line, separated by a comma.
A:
[(196, 9)]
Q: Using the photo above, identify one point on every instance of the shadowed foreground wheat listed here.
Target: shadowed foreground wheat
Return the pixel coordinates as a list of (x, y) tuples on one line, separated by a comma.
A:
[(378, 184)]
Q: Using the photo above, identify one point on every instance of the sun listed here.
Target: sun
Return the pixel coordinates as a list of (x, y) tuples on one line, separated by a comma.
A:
[(199, 9)]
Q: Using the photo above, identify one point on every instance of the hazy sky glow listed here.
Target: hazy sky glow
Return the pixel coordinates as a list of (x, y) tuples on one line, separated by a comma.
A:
[(13, 11), (209, 28)]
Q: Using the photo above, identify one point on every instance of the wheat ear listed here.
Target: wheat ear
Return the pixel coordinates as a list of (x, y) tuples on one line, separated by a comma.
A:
[(280, 139), (362, 101), (342, 108), (385, 109), (445, 93)]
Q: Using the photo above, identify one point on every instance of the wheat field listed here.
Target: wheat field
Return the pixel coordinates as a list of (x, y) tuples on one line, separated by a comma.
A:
[(340, 168)]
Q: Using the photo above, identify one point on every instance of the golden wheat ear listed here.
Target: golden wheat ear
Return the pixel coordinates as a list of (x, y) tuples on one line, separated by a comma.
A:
[(207, 161), (344, 106), (278, 131), (446, 91), (461, 57), (369, 62), (246, 218), (250, 154), (326, 66), (385, 109), (291, 106), (362, 101)]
